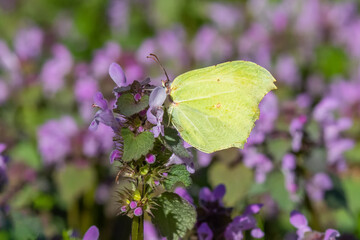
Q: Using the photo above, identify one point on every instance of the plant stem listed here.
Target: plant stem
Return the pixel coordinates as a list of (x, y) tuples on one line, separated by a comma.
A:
[(137, 231)]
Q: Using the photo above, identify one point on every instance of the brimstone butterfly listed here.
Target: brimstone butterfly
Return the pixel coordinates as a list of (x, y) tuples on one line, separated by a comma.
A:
[(215, 108)]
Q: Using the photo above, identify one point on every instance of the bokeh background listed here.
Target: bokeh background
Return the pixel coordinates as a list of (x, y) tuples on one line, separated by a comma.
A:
[(303, 154)]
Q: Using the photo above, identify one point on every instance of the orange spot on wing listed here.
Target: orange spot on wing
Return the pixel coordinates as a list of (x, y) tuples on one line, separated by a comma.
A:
[(218, 105)]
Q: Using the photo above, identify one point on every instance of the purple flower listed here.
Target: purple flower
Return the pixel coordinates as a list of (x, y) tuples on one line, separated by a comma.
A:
[(54, 70), (92, 233), (133, 204), (286, 70), (115, 154), (3, 168), (317, 186), (299, 221), (104, 57), (150, 232), (174, 159), (54, 139), (226, 16), (99, 141), (331, 234), (184, 194), (206, 196), (265, 124), (117, 75), (155, 116), (157, 97), (203, 49), (138, 211), (104, 115), (261, 163), (150, 158), (204, 232), (296, 131), (85, 88), (257, 233), (118, 13), (4, 91), (28, 43), (244, 222), (204, 159)]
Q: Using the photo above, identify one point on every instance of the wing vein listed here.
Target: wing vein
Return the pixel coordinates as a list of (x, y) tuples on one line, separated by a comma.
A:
[(205, 97)]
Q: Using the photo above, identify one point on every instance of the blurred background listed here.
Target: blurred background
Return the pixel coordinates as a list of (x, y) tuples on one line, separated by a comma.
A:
[(303, 154)]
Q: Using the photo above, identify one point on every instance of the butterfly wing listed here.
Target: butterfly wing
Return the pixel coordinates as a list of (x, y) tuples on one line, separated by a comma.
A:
[(215, 107)]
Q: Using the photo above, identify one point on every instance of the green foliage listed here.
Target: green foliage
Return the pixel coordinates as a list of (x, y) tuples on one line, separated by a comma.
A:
[(174, 143), (231, 176), (173, 215), (275, 185), (177, 174), (127, 106), (335, 197), (26, 227), (136, 146), (331, 61), (73, 181), (27, 153)]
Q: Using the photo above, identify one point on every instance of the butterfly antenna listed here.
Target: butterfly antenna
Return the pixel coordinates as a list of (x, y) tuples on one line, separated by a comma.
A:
[(156, 59)]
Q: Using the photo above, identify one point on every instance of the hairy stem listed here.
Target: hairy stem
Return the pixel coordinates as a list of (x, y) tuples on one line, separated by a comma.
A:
[(137, 231)]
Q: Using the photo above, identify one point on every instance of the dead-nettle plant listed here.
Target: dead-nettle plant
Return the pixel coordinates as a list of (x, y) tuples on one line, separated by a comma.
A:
[(212, 108)]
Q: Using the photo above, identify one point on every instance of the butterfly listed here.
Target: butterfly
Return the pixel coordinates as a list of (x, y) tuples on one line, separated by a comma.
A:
[(215, 108)]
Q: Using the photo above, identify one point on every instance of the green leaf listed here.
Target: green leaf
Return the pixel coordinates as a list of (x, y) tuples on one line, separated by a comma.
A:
[(136, 146), (331, 61), (26, 227), (177, 174), (127, 106), (173, 215), (73, 181), (237, 179), (27, 153), (276, 187), (174, 143)]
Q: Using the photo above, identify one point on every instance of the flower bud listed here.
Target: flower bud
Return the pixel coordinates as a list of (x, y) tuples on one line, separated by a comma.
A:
[(150, 158), (133, 204), (138, 211)]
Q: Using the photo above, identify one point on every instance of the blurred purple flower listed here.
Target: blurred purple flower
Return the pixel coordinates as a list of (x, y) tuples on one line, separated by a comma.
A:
[(102, 194), (287, 70), (260, 162), (54, 70), (92, 233), (3, 169), (4, 91), (204, 232), (28, 43), (265, 124), (85, 88), (103, 57), (11, 64), (225, 16), (254, 45), (296, 131), (204, 159), (317, 186), (150, 232), (99, 141), (54, 139), (203, 46), (118, 13), (323, 111), (184, 194), (206, 196)]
